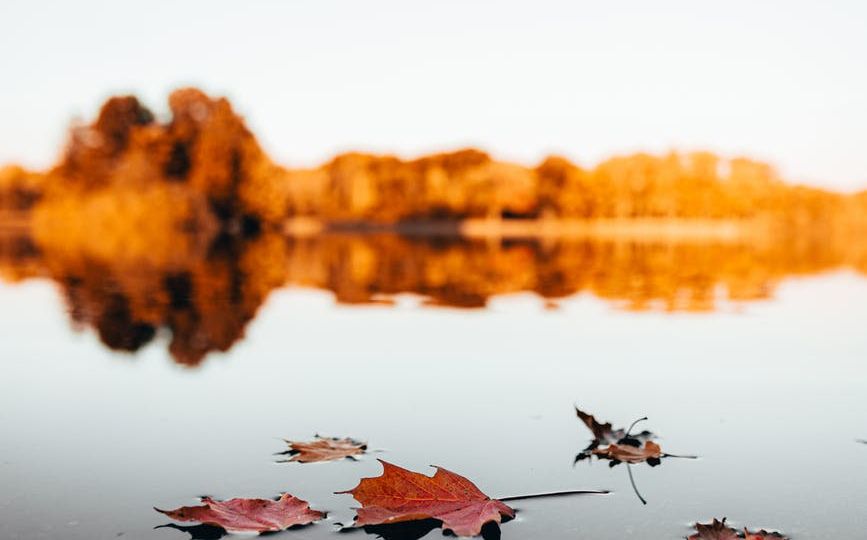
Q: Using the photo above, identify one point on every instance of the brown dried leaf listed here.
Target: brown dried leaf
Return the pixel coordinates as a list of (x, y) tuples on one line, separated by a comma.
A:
[(630, 454), (324, 449)]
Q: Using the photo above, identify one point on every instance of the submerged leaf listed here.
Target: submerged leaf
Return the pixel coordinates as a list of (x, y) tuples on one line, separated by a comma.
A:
[(400, 495), (324, 449), (248, 515)]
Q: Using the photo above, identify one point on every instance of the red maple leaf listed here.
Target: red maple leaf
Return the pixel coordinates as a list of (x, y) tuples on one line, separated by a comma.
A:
[(400, 495), (249, 515)]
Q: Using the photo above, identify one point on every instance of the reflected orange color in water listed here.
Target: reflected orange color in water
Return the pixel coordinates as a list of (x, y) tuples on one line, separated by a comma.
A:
[(179, 226), (205, 297)]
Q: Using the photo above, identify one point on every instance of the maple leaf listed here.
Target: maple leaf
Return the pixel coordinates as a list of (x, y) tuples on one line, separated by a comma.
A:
[(718, 530), (324, 449), (248, 515), (627, 453), (400, 495)]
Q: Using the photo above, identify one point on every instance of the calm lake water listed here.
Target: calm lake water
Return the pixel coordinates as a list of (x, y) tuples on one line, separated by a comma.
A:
[(145, 401)]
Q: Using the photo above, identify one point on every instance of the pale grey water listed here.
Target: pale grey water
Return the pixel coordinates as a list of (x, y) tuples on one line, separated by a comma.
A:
[(772, 395)]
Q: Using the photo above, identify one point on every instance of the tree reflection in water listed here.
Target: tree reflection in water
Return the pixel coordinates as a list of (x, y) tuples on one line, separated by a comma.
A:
[(204, 293)]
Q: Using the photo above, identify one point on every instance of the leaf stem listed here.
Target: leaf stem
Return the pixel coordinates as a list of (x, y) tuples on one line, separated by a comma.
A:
[(553, 494), (632, 425), (679, 456)]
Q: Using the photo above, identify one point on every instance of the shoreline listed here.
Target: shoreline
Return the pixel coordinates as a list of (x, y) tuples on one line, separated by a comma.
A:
[(638, 229), (625, 229)]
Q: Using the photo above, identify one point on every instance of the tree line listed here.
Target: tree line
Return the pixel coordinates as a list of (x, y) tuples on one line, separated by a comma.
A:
[(203, 166)]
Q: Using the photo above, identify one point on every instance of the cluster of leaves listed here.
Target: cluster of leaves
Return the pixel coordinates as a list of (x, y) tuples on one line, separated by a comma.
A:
[(400, 503), (718, 530)]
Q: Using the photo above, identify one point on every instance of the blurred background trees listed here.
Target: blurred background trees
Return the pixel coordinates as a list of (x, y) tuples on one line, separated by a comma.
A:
[(203, 169)]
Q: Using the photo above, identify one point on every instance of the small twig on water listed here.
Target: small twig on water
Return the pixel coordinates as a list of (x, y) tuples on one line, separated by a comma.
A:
[(634, 487), (632, 425)]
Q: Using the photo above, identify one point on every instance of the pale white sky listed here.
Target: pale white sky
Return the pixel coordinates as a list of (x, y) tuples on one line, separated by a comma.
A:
[(783, 81)]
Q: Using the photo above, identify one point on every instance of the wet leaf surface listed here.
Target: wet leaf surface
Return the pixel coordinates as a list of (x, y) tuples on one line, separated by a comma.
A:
[(651, 453), (324, 449), (400, 495), (248, 515)]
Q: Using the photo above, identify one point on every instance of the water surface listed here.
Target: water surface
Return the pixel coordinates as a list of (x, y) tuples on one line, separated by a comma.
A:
[(768, 391)]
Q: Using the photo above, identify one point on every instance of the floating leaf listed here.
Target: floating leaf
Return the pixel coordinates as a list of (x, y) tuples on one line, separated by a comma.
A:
[(400, 495), (718, 530), (604, 433), (248, 515), (324, 449)]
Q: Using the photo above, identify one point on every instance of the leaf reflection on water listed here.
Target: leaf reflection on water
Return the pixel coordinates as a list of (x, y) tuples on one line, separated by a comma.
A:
[(414, 530), (197, 532)]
